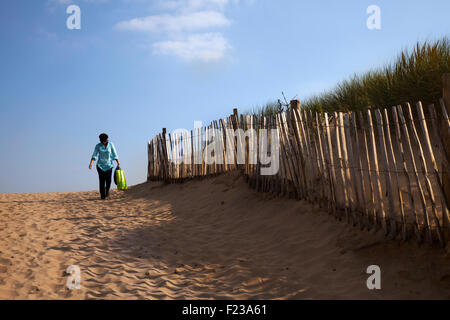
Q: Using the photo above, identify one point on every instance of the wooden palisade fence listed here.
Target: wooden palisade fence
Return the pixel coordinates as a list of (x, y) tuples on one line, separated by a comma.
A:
[(377, 169)]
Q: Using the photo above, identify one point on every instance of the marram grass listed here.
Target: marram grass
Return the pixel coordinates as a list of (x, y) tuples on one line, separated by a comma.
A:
[(414, 75)]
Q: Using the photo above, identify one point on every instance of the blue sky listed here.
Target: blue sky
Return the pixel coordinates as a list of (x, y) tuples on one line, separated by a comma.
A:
[(137, 66)]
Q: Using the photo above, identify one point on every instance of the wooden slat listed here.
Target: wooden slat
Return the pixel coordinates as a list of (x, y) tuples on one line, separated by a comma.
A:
[(267, 179), (417, 227), (276, 180), (311, 170), (229, 152), (317, 163), (218, 148), (315, 156), (187, 145), (283, 166), (424, 167), (379, 192), (182, 155), (160, 157), (306, 155), (246, 142), (345, 163), (429, 148), (392, 159), (366, 158), (213, 165), (445, 114), (155, 158), (259, 179), (178, 154), (445, 164), (153, 167), (252, 146), (409, 151), (301, 149), (291, 153), (437, 136), (205, 151), (193, 155), (271, 184), (387, 174), (185, 163), (351, 169), (169, 156), (214, 141), (329, 168), (341, 167), (285, 151), (321, 147), (198, 145), (364, 221), (297, 158), (332, 163), (262, 180), (223, 142)]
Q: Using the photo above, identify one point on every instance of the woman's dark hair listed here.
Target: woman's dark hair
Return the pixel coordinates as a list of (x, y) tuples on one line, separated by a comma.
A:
[(103, 137)]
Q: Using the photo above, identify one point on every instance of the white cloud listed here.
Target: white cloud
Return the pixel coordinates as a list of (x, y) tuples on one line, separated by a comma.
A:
[(194, 5), (207, 47), (176, 23), (182, 18)]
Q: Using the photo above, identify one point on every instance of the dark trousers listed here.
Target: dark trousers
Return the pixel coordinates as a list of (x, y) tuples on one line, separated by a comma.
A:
[(104, 178)]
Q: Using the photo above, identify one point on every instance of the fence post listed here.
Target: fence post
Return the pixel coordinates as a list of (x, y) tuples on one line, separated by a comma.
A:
[(239, 149), (295, 104), (236, 119), (164, 155), (446, 138)]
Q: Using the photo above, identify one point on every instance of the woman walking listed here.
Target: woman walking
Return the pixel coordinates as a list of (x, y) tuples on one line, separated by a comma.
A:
[(106, 153)]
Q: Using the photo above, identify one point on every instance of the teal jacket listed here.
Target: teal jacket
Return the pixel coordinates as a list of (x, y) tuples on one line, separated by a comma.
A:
[(105, 155)]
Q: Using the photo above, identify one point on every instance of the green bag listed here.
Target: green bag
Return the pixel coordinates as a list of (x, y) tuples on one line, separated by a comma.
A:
[(119, 179)]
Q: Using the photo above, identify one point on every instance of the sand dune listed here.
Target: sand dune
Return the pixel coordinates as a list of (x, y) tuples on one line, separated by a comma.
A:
[(210, 239)]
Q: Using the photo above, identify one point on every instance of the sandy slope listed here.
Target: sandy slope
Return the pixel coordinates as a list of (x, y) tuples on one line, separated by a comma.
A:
[(202, 239)]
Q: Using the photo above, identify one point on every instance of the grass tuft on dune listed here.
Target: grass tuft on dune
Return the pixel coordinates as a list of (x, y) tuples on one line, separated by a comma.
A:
[(414, 75)]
